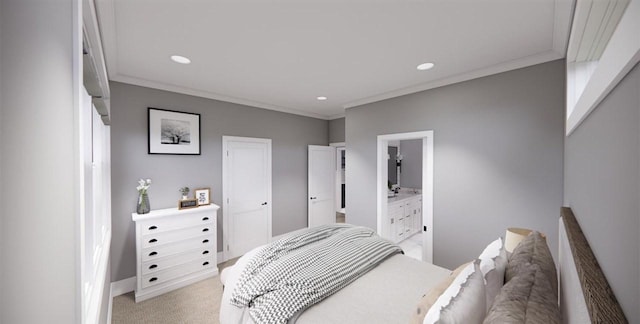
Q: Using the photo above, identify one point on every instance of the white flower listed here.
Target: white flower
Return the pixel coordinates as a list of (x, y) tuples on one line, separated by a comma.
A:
[(143, 185)]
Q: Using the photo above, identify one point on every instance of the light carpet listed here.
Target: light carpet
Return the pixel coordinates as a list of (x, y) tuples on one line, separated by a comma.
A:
[(196, 303)]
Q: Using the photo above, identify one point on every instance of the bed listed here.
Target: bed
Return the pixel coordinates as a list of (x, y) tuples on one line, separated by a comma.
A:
[(402, 290)]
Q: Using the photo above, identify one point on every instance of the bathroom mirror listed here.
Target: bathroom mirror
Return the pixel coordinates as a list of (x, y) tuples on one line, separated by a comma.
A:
[(393, 168)]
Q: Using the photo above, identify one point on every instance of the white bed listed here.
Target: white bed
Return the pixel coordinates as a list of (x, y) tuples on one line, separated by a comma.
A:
[(390, 292), (386, 294)]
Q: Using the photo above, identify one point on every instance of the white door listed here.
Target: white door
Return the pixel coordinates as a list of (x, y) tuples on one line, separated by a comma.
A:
[(322, 168), (246, 172)]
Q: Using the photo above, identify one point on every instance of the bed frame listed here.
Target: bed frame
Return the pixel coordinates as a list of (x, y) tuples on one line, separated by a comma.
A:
[(586, 278)]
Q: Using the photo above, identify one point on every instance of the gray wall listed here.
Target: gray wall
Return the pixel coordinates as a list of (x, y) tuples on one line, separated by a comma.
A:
[(411, 170), (39, 282), (290, 136), (602, 187), (336, 130), (498, 156), (2, 72)]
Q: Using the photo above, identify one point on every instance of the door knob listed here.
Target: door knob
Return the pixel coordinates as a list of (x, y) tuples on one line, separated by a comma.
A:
[(313, 198), (264, 203)]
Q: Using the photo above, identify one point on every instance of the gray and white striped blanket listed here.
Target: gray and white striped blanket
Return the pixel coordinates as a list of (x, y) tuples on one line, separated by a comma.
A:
[(293, 273)]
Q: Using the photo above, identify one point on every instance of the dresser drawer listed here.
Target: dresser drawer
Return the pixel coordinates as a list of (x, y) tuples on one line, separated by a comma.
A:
[(173, 223), (177, 272), (172, 261), (156, 239), (205, 242)]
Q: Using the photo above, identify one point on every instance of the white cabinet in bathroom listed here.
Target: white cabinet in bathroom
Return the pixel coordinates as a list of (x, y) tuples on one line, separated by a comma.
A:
[(404, 218)]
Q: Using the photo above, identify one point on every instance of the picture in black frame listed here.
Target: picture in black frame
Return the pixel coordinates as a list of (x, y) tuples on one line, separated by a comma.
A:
[(173, 132)]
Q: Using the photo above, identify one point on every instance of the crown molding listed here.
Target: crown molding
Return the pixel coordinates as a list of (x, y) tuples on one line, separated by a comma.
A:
[(494, 69), (211, 95)]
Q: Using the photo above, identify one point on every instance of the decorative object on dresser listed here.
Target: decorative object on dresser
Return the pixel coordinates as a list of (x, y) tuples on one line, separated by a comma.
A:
[(174, 248), (173, 132), (203, 196), (143, 206), (185, 192), (187, 203)]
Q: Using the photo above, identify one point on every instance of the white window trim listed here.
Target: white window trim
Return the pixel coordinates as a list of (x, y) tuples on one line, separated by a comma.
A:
[(619, 57)]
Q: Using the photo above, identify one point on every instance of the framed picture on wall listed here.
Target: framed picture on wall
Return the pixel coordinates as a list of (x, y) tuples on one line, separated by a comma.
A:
[(203, 196), (173, 132)]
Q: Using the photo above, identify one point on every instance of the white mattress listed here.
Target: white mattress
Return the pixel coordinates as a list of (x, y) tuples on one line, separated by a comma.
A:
[(387, 294)]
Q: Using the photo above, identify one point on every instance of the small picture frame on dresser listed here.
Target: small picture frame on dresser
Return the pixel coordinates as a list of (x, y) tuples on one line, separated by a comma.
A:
[(203, 196), (187, 203)]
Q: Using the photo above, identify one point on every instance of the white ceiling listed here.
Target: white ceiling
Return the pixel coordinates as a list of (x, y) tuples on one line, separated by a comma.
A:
[(281, 55)]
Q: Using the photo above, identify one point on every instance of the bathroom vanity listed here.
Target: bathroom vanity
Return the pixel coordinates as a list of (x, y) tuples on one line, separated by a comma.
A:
[(404, 216)]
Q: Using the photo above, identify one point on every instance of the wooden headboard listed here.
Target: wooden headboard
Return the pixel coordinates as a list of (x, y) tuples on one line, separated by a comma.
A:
[(600, 302)]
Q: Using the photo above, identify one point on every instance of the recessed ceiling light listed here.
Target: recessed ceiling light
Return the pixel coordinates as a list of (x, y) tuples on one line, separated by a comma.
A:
[(425, 66), (321, 98), (180, 59)]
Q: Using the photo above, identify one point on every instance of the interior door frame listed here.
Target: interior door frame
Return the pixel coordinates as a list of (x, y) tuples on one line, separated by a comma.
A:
[(339, 146), (427, 184), (226, 233)]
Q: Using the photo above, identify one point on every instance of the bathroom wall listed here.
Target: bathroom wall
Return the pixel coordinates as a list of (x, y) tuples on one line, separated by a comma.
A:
[(411, 170)]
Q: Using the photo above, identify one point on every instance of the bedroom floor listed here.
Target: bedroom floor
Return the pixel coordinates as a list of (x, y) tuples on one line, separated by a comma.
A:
[(196, 303), (412, 246)]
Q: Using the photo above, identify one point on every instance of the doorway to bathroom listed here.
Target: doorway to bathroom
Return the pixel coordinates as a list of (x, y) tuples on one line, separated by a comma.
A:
[(404, 201)]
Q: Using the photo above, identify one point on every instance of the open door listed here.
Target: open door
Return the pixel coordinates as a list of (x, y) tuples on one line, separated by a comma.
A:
[(321, 192)]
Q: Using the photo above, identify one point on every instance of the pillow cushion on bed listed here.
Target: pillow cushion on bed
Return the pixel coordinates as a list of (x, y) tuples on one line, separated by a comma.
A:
[(527, 298), (430, 297), (493, 261), (533, 249), (463, 301)]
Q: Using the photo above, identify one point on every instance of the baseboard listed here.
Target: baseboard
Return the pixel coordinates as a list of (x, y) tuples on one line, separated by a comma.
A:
[(123, 286), (220, 257), (118, 288), (110, 307)]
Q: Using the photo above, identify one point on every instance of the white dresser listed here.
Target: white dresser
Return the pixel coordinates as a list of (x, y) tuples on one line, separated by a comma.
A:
[(174, 248)]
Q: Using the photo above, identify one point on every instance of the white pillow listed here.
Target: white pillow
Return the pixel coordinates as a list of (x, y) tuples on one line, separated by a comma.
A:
[(463, 302), (493, 262)]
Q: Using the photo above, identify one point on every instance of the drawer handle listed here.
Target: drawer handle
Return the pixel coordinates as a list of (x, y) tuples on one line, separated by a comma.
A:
[(205, 218), (151, 228), (153, 279), (153, 253), (153, 240), (205, 229), (205, 241), (206, 263), (205, 252), (153, 266)]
